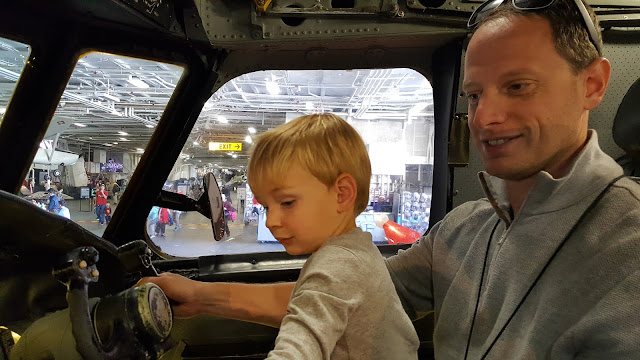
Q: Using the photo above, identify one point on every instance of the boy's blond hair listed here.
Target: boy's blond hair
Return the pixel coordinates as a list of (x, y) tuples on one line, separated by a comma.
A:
[(323, 144)]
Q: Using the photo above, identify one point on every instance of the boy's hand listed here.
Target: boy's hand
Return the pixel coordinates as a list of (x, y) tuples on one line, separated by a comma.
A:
[(181, 291)]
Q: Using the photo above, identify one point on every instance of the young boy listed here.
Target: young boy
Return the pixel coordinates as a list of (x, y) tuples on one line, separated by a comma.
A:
[(312, 177), (107, 213)]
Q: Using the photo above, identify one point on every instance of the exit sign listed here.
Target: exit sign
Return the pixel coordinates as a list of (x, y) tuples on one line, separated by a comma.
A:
[(215, 146)]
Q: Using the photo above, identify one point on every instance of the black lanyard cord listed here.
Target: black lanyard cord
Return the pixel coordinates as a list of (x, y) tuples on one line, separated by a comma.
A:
[(484, 265), (573, 229)]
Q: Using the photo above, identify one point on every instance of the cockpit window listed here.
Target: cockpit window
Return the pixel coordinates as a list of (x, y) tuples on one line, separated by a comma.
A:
[(13, 56), (392, 109), (97, 136)]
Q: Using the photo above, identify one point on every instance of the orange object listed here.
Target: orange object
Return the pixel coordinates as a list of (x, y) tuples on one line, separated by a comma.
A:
[(398, 234)]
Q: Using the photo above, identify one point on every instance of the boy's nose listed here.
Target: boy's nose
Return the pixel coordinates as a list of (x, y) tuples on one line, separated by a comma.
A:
[(273, 219)]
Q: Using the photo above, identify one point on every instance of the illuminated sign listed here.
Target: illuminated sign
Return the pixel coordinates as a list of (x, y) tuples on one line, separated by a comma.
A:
[(215, 146)]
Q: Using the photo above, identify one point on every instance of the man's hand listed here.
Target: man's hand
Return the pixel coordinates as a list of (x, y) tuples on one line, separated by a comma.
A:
[(180, 290)]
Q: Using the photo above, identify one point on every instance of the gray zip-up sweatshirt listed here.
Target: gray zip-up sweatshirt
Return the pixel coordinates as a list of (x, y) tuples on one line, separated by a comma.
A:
[(586, 305)]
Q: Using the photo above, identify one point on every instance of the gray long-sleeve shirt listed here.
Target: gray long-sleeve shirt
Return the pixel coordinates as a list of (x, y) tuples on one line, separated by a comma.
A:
[(586, 305), (344, 306)]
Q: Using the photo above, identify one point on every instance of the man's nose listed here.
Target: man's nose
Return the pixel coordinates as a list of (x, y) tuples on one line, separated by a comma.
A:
[(490, 110)]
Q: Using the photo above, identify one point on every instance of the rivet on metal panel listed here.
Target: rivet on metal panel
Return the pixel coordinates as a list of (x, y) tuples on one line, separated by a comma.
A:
[(233, 36), (242, 36), (376, 29), (267, 34), (366, 29), (224, 36)]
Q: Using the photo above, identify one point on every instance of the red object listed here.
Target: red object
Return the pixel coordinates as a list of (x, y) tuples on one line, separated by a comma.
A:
[(101, 197), (164, 216), (398, 234)]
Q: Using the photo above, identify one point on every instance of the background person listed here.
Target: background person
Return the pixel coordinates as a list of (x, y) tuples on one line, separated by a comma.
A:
[(101, 203)]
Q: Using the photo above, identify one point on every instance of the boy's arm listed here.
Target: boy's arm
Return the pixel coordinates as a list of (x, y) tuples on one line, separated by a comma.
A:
[(328, 292), (259, 303)]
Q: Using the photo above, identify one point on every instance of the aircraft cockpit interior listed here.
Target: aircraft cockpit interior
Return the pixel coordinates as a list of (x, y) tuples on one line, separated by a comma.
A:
[(127, 128)]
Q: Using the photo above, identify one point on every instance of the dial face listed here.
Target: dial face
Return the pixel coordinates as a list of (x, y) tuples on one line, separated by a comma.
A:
[(160, 312)]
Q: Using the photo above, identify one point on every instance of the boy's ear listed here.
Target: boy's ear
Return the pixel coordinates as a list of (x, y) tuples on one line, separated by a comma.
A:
[(347, 191)]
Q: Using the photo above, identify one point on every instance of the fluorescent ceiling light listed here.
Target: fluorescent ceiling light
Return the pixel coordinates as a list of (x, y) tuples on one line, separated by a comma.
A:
[(122, 133), (149, 126), (3, 110), (114, 143), (86, 64), (222, 119), (248, 139), (234, 156), (80, 125), (108, 96), (123, 139), (309, 105), (140, 150), (418, 107), (196, 143), (137, 82), (107, 144), (252, 130), (273, 88)]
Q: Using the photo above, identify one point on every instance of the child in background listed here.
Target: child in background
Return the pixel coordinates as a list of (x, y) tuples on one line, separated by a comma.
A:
[(107, 213), (312, 177), (163, 220)]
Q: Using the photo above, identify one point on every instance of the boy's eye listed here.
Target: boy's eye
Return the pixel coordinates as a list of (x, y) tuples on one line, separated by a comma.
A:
[(287, 203)]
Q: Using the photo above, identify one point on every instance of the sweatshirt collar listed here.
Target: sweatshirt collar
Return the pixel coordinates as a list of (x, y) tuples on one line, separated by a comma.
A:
[(591, 171)]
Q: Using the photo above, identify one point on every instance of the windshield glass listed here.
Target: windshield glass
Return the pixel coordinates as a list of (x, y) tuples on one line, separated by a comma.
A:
[(13, 56), (392, 109), (97, 136)]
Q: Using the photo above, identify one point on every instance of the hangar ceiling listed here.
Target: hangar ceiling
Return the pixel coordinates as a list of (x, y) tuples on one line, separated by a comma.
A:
[(114, 102)]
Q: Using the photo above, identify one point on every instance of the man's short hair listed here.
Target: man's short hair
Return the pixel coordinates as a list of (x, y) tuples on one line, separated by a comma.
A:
[(323, 144), (570, 35)]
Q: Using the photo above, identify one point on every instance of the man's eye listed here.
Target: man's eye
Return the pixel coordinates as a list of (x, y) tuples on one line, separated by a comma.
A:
[(473, 98), (519, 87)]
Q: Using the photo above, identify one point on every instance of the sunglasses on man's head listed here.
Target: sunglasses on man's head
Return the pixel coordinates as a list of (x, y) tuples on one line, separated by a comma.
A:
[(532, 5)]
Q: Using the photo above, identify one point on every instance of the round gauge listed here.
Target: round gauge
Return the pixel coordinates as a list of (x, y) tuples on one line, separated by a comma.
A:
[(56, 172)]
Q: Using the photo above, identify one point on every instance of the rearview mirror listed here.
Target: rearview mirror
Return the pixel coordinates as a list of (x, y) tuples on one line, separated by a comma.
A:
[(209, 204), (216, 205)]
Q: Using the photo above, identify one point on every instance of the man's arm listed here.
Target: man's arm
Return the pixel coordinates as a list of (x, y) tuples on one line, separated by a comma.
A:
[(258, 303)]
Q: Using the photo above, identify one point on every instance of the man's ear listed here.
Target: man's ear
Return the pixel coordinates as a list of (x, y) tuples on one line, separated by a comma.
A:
[(347, 191), (596, 80)]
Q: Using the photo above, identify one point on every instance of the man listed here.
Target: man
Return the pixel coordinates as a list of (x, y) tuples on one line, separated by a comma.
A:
[(101, 203), (548, 266)]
